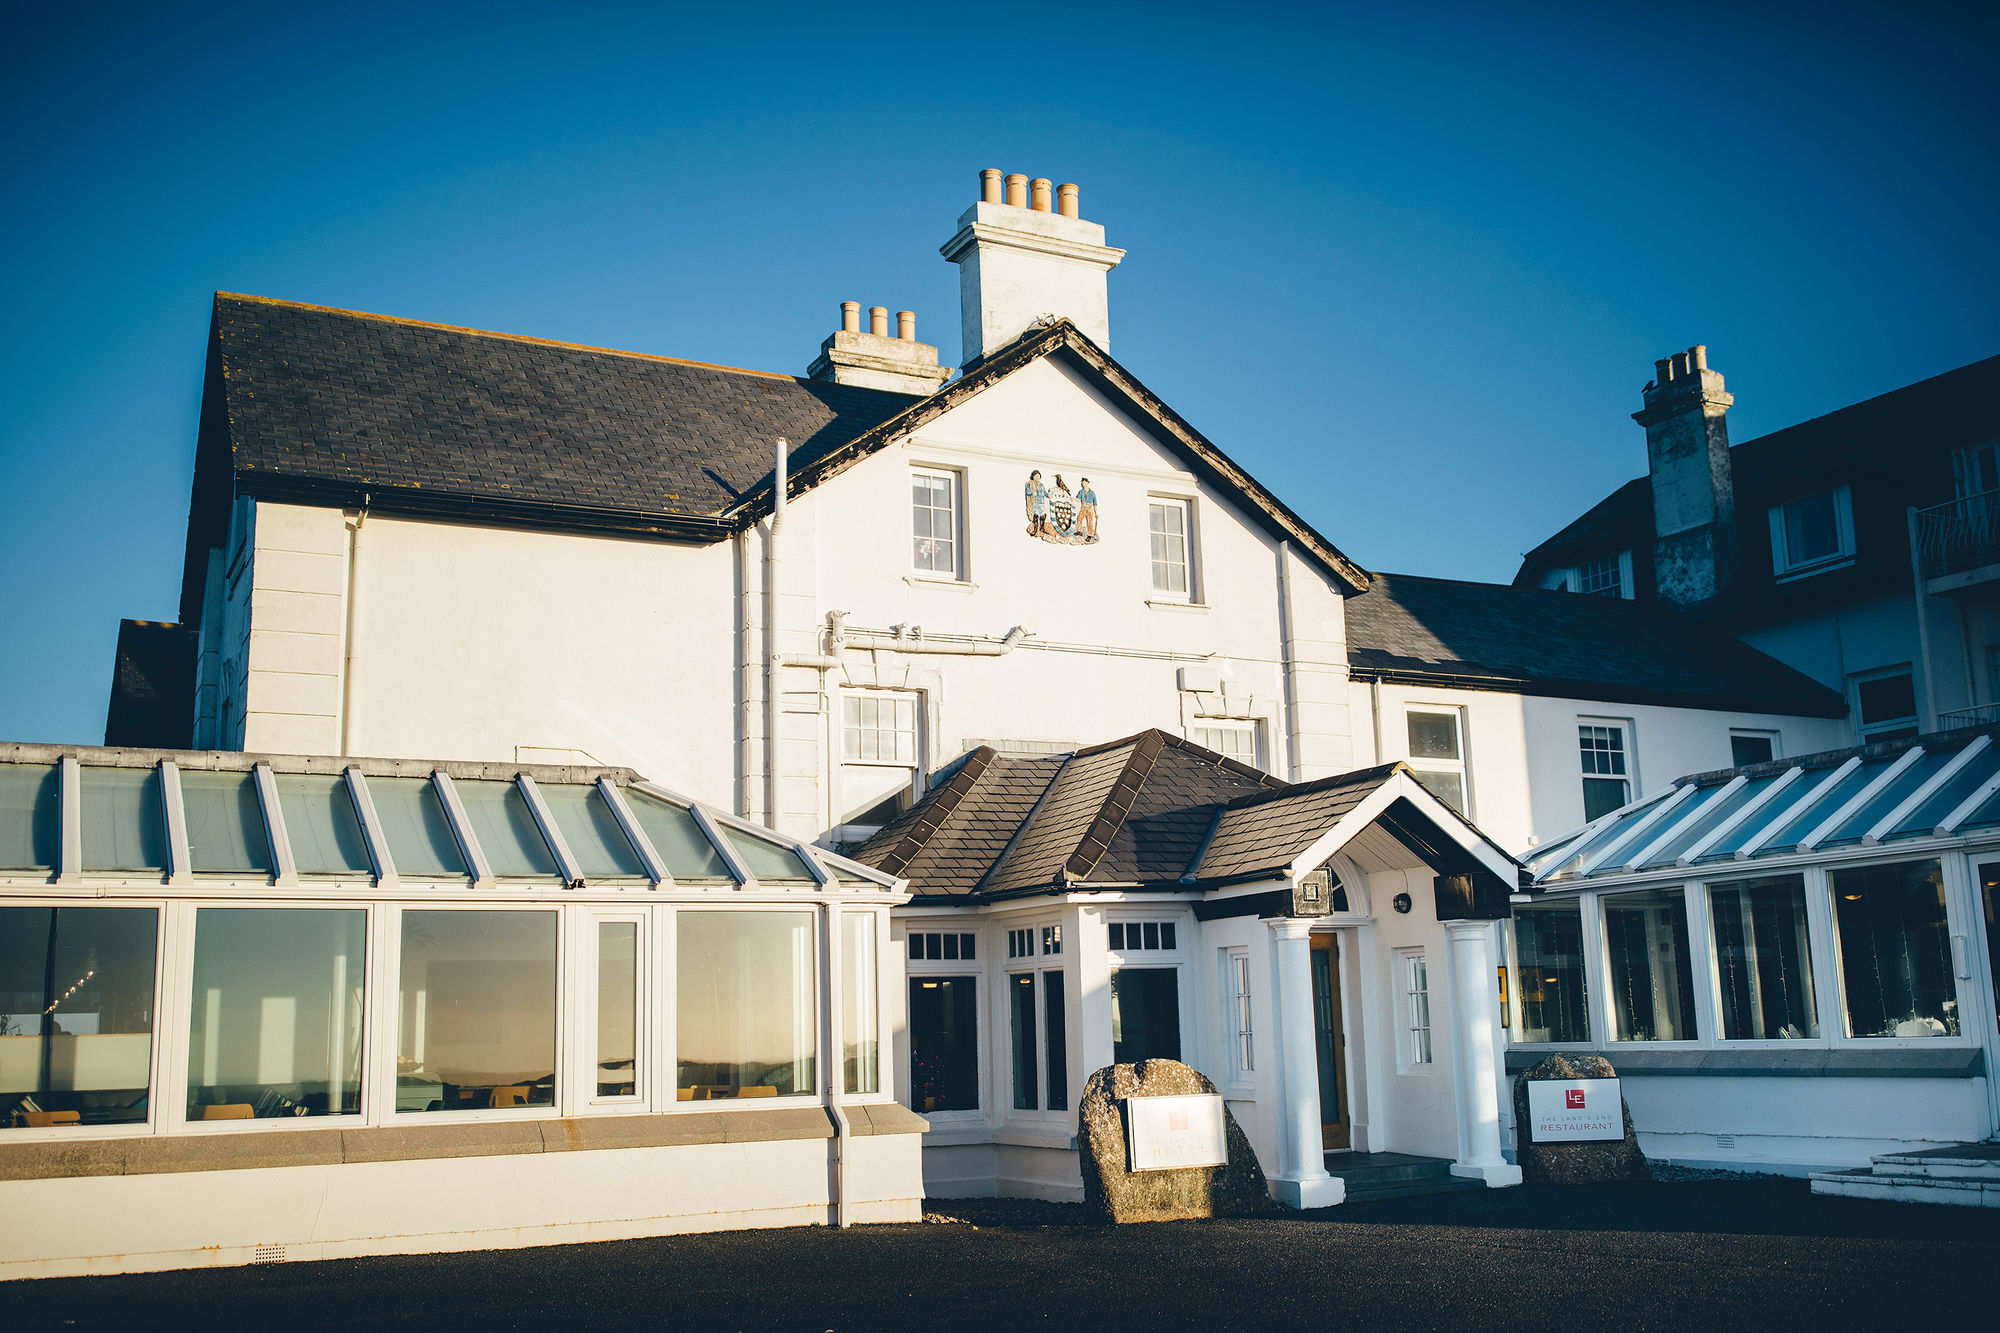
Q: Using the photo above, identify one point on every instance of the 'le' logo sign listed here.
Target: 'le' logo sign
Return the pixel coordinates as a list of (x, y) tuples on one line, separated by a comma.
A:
[(1573, 1099)]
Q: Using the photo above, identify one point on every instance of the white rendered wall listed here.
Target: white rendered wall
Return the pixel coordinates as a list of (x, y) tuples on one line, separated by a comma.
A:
[(1879, 635)]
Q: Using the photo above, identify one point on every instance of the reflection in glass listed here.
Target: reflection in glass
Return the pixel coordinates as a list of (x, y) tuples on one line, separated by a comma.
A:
[(1055, 1040), (1548, 952), (1021, 1010), (767, 860), (1145, 1014), (601, 849), (748, 1013), (682, 846), (505, 829), (76, 1014), (124, 825), (944, 1044), (1762, 959), (1895, 950), (1652, 977), (617, 1008), (414, 825), (275, 1019), (225, 822), (860, 1015), (322, 826), (30, 816), (477, 1026)]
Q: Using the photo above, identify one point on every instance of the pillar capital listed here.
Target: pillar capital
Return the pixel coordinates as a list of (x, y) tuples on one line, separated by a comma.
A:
[(1290, 927)]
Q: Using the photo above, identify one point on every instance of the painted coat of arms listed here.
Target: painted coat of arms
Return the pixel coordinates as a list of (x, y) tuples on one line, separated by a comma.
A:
[(1059, 515)]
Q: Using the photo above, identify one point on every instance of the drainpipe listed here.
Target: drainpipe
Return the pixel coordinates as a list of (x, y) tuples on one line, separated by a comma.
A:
[(347, 669), (910, 639), (771, 568), (833, 1078), (1375, 713), (1287, 649)]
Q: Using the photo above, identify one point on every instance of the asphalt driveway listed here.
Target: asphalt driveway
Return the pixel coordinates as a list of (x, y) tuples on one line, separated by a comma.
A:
[(1707, 1254)]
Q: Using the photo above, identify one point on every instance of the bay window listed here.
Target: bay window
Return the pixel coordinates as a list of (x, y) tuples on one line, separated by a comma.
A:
[(944, 1044)]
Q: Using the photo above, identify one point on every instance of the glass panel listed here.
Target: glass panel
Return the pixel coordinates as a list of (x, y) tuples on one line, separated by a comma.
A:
[(1763, 961), (1886, 699), (677, 838), (1895, 951), (1714, 808), (944, 1044), (601, 849), (1949, 797), (767, 860), (1747, 750), (477, 1027), (322, 826), (225, 822), (124, 826), (1652, 978), (275, 1023), (1855, 826), (1145, 1014), (1816, 812), (30, 816), (506, 830), (748, 1004), (860, 1015), (1548, 953), (414, 825), (617, 1008), (1811, 532), (1055, 1041), (1021, 1008), (1447, 787), (1433, 735), (76, 1014)]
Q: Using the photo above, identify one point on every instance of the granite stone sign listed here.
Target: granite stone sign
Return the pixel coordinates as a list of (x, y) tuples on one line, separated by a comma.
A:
[(1162, 1133), (1576, 1110), (1156, 1094), (1573, 1126)]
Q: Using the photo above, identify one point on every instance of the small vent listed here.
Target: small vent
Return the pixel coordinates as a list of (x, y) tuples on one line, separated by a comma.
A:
[(269, 1254), (1725, 1143)]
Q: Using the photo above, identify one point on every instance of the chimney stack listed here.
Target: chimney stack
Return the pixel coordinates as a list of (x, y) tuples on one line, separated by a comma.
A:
[(1694, 495), (875, 360), (1024, 252)]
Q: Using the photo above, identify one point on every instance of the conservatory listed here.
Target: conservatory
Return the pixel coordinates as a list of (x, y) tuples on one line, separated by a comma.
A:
[(1791, 965), (256, 1008)]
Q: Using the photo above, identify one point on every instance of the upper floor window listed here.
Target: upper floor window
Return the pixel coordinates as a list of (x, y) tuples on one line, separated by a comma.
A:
[(1885, 704), (1975, 470), (1609, 576), (1607, 772), (1812, 534), (934, 525), (1168, 521), (1437, 753), (1752, 747), (880, 755), (1231, 740)]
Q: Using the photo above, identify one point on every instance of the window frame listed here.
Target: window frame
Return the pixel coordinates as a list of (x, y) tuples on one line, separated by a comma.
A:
[(918, 768), (1239, 1015), (1046, 955), (1462, 766), (1868, 732), (1629, 749), (1774, 736), (1190, 551), (1253, 727), (1414, 1056), (1844, 548), (955, 477)]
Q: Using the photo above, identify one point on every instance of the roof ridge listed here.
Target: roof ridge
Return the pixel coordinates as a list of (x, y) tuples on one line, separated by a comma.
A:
[(1146, 751), (943, 801), (530, 339), (1315, 784)]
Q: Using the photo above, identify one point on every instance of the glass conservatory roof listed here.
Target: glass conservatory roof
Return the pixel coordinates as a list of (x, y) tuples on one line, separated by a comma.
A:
[(284, 819), (1936, 786)]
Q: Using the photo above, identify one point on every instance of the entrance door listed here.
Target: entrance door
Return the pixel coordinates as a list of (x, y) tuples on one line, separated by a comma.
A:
[(1330, 1041), (1989, 904)]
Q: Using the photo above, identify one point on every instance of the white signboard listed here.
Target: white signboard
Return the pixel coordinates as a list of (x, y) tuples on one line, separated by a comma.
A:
[(1165, 1133), (1577, 1110)]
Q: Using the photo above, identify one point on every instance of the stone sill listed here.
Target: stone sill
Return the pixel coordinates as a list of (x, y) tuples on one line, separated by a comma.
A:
[(954, 585), (1954, 1061), (155, 1154), (1160, 604)]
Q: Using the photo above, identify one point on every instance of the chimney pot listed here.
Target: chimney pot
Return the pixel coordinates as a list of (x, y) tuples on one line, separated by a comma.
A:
[(1663, 372), (906, 325), (850, 316), (878, 319), (1700, 355), (989, 185), (1066, 200), (1017, 190), (1039, 189)]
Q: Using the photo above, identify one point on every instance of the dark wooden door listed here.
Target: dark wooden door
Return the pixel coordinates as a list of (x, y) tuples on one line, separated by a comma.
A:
[(1330, 1040)]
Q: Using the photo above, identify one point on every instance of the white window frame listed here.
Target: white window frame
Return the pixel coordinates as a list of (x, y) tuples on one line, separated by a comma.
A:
[(1039, 960), (1252, 727), (1866, 730), (984, 1009), (1189, 551), (1629, 733), (1239, 1016), (917, 768), (955, 479), (1462, 766), (1416, 1044), (1570, 578), (1777, 749), (1843, 520), (582, 1023)]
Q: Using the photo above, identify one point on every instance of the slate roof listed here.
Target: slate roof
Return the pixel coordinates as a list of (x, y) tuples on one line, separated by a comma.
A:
[(1271, 829), (1559, 644), (952, 837)]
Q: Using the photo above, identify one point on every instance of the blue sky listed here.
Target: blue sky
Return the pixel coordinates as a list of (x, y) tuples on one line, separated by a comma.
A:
[(1411, 268)]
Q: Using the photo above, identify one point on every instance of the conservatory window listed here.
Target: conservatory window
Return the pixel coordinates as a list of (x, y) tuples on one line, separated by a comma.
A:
[(677, 837), (1651, 978), (506, 829), (225, 823), (30, 816), (748, 1009), (275, 1020), (618, 1009), (1895, 950), (477, 1027), (124, 824), (1549, 976), (601, 849), (1763, 959), (76, 1015), (860, 1015), (768, 860), (322, 826), (419, 835)]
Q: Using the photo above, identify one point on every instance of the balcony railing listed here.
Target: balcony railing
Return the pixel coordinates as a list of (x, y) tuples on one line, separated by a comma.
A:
[(1960, 535), (1968, 717)]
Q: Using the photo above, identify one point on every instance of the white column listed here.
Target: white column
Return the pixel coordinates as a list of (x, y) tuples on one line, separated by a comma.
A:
[(1475, 1006), (1303, 1181)]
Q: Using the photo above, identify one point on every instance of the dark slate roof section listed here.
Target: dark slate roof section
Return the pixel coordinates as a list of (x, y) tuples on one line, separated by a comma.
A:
[(1558, 644), (953, 850), (152, 687), (1163, 830), (1064, 817), (897, 844), (1266, 832), (332, 404)]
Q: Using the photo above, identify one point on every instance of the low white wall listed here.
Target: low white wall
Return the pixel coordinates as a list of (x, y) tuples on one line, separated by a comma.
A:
[(124, 1224)]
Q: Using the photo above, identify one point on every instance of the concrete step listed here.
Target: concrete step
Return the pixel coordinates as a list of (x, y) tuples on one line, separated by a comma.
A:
[(1370, 1169), (1959, 1191), (1410, 1189), (1969, 1162)]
